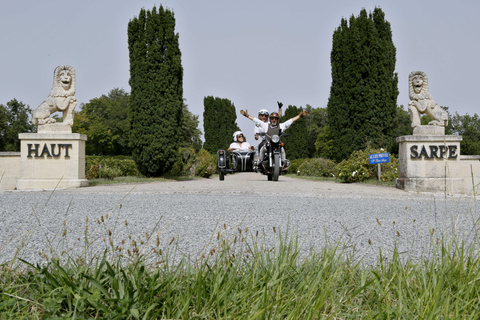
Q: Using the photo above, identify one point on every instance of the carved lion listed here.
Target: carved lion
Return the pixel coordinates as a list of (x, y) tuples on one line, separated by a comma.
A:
[(61, 98), (422, 101)]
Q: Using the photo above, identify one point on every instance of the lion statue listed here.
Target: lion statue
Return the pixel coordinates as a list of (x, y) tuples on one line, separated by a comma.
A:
[(61, 98), (422, 101)]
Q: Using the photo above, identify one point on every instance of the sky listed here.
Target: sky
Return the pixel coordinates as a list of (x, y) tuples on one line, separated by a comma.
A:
[(252, 52)]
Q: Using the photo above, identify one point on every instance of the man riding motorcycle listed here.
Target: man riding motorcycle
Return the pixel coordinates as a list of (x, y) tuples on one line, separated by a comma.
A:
[(273, 128), (259, 131)]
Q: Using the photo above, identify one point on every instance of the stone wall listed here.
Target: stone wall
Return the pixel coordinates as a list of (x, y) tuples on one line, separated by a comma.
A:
[(52, 160), (9, 170), (435, 164)]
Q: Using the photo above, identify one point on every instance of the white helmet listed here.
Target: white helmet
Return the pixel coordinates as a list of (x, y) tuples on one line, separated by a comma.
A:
[(235, 134), (263, 112)]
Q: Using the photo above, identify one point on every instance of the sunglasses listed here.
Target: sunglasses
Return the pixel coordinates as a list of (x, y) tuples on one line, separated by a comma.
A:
[(263, 113)]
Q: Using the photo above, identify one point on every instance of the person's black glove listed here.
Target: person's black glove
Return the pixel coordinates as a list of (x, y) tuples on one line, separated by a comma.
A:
[(279, 104)]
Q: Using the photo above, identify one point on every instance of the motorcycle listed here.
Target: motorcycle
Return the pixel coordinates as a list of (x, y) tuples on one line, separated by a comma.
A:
[(272, 164)]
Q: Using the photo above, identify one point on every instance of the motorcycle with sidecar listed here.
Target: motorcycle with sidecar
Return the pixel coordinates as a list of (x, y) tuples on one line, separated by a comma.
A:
[(271, 165)]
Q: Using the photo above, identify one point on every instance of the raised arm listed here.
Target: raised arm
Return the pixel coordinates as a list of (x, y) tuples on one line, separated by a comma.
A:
[(280, 105), (301, 114), (245, 114)]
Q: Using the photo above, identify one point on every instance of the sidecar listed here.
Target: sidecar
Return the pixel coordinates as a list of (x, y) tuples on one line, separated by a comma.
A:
[(234, 162)]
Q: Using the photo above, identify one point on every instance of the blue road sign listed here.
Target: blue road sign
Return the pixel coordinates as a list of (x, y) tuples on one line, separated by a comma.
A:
[(378, 158)]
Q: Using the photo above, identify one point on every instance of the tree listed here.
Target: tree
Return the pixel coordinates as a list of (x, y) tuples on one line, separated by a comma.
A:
[(315, 122), (14, 119), (296, 143), (190, 134), (362, 104), (324, 143), (469, 128), (156, 100), (402, 127), (219, 123), (105, 121)]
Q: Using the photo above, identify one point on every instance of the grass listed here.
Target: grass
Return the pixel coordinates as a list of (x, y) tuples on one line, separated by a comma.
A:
[(240, 275)]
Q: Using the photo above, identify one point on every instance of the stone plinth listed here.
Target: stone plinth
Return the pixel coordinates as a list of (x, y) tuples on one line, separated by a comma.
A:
[(52, 160), (434, 164), (55, 128), (9, 170), (429, 131)]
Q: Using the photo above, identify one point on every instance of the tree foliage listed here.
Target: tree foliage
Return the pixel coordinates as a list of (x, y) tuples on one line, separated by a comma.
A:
[(296, 143), (190, 135), (315, 122), (469, 128), (219, 123), (14, 119), (156, 100), (363, 94), (324, 143), (105, 121), (402, 127)]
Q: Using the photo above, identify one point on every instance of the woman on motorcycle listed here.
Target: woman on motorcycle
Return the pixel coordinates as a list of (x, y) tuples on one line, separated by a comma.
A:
[(239, 144)]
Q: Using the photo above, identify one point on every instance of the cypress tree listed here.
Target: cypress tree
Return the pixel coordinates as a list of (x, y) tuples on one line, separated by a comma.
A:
[(156, 99), (219, 123), (296, 143), (363, 95)]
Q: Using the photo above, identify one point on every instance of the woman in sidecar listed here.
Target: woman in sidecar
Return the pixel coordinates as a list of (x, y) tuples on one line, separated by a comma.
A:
[(242, 154)]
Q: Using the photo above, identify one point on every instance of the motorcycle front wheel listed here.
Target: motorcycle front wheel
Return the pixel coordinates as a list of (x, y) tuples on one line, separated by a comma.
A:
[(276, 167)]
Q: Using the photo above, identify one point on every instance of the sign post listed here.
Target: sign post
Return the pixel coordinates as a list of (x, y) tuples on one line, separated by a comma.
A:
[(378, 158)]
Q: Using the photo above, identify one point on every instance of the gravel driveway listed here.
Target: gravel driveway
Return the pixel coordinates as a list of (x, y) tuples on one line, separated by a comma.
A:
[(363, 217)]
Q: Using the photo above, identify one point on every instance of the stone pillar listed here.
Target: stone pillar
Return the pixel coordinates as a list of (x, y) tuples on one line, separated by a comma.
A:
[(433, 164), (52, 160)]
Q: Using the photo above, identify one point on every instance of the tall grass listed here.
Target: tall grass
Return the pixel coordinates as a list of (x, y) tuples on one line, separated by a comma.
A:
[(241, 275)]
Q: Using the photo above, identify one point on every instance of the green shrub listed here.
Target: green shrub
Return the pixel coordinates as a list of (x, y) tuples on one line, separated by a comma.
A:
[(92, 171), (352, 170), (98, 171), (109, 172), (205, 164), (389, 171), (317, 167), (123, 165), (190, 163), (294, 164), (356, 168), (184, 163)]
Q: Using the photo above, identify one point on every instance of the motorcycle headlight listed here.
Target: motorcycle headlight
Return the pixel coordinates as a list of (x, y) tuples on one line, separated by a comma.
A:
[(275, 138)]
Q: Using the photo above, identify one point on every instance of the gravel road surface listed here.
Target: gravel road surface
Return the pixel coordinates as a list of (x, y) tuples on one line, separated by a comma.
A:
[(362, 217)]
